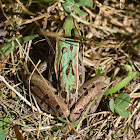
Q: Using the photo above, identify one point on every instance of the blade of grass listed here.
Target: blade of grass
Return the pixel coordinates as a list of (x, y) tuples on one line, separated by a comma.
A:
[(124, 82)]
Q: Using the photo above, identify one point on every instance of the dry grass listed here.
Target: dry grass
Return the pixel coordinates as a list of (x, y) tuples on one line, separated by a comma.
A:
[(111, 40)]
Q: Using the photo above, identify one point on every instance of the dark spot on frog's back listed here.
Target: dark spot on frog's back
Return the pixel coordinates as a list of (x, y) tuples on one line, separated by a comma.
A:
[(64, 50), (72, 72), (57, 107), (64, 94), (71, 47), (70, 63), (67, 70), (73, 91)]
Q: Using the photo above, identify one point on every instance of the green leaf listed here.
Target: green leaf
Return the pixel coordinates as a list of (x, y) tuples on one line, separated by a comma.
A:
[(122, 100), (122, 112), (66, 9), (121, 84), (119, 134), (84, 2), (56, 133), (74, 124), (61, 119), (89, 106), (2, 135), (68, 3), (128, 69), (4, 122), (99, 70), (75, 4), (78, 11), (112, 105), (7, 48), (27, 38)]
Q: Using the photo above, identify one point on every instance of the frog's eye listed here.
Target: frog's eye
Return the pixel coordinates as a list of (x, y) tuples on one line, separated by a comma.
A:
[(43, 69)]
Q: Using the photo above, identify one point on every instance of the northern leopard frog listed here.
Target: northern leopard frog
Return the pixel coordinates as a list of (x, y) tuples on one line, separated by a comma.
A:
[(70, 74)]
